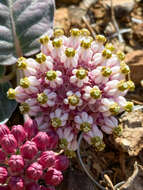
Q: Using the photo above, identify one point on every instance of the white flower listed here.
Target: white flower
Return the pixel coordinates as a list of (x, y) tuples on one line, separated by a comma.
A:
[(73, 99), (83, 122), (80, 76), (53, 78), (58, 118), (47, 98), (92, 94)]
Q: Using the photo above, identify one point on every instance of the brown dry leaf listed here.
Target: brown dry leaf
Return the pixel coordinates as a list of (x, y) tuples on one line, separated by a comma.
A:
[(135, 182)]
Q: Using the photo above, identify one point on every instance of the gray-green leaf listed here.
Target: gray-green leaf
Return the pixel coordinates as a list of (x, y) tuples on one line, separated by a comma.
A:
[(22, 22), (6, 106)]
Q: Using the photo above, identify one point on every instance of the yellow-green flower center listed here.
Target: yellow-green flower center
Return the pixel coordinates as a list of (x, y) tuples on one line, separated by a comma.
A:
[(63, 143), (86, 43), (58, 32), (11, 93), (114, 109), (120, 55), (56, 122), (40, 58), (85, 126), (131, 85), (44, 39), (100, 39), (73, 100), (117, 131), (24, 82), (75, 32), (110, 47), (51, 75), (70, 52), (95, 93), (85, 32), (106, 71), (57, 43), (21, 63), (129, 106), (106, 53), (42, 98), (124, 68), (81, 73), (24, 108), (122, 85), (98, 143)]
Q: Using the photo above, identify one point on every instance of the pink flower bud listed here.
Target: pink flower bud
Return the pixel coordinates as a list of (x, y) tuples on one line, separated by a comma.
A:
[(41, 140), (29, 150), (47, 159), (61, 162), (53, 139), (35, 171), (19, 133), (16, 183), (3, 131), (31, 127), (53, 177), (3, 175), (16, 163), (9, 143), (2, 156)]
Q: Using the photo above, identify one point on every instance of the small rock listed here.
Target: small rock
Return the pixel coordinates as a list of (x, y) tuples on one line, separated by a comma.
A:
[(62, 19), (122, 7), (135, 61)]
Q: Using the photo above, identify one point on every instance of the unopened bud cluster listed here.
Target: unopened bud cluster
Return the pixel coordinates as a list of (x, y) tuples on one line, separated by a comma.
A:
[(26, 158), (75, 84)]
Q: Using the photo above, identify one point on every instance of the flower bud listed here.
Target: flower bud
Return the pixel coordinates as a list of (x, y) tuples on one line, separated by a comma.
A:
[(47, 159), (2, 156), (41, 140), (16, 183), (9, 143), (34, 171), (61, 162), (31, 127), (3, 131), (19, 133), (52, 139), (3, 175), (29, 150), (53, 177), (16, 163)]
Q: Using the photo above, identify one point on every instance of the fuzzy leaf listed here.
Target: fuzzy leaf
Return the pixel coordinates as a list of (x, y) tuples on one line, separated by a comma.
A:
[(6, 106), (22, 22)]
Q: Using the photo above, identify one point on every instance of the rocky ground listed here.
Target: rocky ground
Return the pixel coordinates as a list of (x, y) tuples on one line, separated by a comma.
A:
[(122, 23)]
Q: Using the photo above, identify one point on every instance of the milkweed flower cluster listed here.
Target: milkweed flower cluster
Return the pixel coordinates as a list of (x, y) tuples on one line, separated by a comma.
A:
[(26, 158), (75, 84)]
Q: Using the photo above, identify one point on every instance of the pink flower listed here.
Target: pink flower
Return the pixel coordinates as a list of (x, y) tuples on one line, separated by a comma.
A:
[(16, 163), (47, 159), (29, 150), (9, 143), (34, 171), (53, 177), (16, 183), (4, 130), (19, 133), (41, 140), (61, 162), (52, 139), (3, 175), (31, 127)]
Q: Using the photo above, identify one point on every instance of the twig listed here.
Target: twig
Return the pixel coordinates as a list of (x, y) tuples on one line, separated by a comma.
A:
[(122, 31), (89, 26), (120, 37), (108, 180)]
